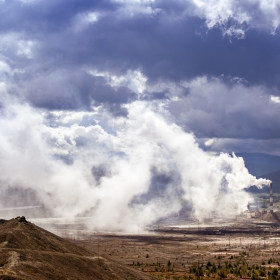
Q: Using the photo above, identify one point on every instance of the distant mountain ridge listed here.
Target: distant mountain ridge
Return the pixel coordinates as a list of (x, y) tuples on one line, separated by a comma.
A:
[(260, 169), (275, 178), (259, 163), (261, 157)]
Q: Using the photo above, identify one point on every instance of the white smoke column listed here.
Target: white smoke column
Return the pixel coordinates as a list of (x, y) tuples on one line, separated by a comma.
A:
[(209, 182), (129, 149)]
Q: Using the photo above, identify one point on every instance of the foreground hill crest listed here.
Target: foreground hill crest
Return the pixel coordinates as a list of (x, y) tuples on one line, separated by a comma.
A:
[(30, 252)]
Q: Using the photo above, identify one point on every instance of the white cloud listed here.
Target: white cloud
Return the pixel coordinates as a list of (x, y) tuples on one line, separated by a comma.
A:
[(26, 48), (223, 110), (269, 146), (209, 142), (15, 43), (4, 67), (263, 14), (275, 99), (135, 2), (85, 19), (131, 8), (256, 13), (134, 80)]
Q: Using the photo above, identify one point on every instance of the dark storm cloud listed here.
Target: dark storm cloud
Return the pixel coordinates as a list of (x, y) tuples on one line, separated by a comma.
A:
[(228, 145), (215, 110), (73, 90), (97, 94), (181, 49), (160, 95), (163, 45), (44, 16), (167, 43)]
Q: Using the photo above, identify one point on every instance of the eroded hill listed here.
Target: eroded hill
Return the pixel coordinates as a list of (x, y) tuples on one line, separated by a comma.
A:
[(30, 252)]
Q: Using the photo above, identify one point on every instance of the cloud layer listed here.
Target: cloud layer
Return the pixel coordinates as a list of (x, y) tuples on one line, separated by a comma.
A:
[(124, 173), (112, 108)]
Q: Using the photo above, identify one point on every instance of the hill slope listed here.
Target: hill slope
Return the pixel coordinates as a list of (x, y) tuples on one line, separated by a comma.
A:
[(275, 178), (259, 164), (30, 252), (273, 218)]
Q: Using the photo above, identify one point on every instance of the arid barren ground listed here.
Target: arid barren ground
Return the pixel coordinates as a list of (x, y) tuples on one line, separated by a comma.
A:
[(232, 251), (177, 255), (29, 252)]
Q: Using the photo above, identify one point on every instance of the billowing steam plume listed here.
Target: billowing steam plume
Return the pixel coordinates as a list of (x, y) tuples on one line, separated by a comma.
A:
[(124, 173)]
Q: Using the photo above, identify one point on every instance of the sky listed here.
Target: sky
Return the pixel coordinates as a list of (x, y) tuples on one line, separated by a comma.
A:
[(93, 90), (213, 65)]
